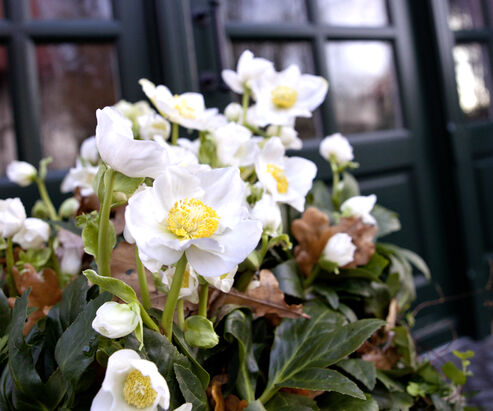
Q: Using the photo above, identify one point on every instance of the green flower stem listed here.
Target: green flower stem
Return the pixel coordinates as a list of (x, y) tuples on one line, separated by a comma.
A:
[(264, 248), (174, 292), (268, 394), (335, 185), (204, 296), (104, 247), (174, 134), (244, 103), (144, 290), (311, 278), (180, 314), (10, 264), (46, 199), (147, 319)]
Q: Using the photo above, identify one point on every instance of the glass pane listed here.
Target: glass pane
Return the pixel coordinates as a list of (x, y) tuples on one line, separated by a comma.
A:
[(71, 9), (74, 80), (7, 139), (364, 85), (465, 14), (353, 12), (283, 55), (473, 79), (265, 11)]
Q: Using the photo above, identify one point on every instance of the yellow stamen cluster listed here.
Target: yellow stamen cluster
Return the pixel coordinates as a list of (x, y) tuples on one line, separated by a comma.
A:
[(284, 97), (191, 218), (138, 390), (182, 106), (280, 177)]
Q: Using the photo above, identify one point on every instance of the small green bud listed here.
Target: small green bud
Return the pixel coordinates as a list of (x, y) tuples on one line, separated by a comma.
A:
[(199, 332), (40, 210), (69, 208)]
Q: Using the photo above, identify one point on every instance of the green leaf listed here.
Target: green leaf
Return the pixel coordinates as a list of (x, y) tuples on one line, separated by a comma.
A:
[(208, 151), (329, 294), (238, 326), (316, 343), (388, 382), (453, 373), (285, 401), (440, 403), (337, 402), (387, 220), (90, 238), (409, 256), (319, 196), (321, 379), (350, 187), (5, 314), (255, 406), (289, 279), (191, 388), (199, 332), (77, 346), (379, 301), (347, 312), (465, 355), (405, 345), (363, 371), (98, 181), (126, 185), (37, 258), (420, 389), (371, 271)]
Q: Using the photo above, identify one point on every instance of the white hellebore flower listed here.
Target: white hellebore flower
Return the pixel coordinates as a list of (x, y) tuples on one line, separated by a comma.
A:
[(234, 145), (360, 206), (339, 249), (287, 94), (190, 285), (187, 109), (233, 112), (118, 149), (203, 215), (288, 135), (21, 173), (114, 320), (33, 234), (337, 147), (267, 211), (130, 384), (185, 407), (180, 156), (223, 282), (248, 68), (81, 176), (153, 127), (287, 179), (12, 216), (89, 150)]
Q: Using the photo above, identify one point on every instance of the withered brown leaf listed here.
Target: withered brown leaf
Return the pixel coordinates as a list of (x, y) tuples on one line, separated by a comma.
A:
[(217, 400)]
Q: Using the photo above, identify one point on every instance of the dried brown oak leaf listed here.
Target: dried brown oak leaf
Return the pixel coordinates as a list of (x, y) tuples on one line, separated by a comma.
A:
[(312, 231), (217, 400), (45, 291), (265, 300)]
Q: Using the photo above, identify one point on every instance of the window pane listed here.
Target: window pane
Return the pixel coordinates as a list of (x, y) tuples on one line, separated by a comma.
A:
[(283, 55), (473, 78), (353, 12), (74, 80), (465, 14), (265, 11), (7, 139), (364, 85), (71, 9)]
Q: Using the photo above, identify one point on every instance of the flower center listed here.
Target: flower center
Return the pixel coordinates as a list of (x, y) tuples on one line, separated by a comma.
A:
[(191, 218), (138, 391), (183, 108), (284, 96), (280, 177)]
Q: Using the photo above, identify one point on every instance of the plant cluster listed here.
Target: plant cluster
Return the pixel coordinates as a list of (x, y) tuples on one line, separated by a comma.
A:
[(211, 272)]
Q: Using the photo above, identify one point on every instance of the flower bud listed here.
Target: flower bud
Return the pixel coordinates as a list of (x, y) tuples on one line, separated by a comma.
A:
[(89, 151), (21, 173), (336, 146), (233, 112), (267, 211), (33, 234), (12, 216), (69, 207), (360, 206), (40, 210), (114, 320), (339, 249)]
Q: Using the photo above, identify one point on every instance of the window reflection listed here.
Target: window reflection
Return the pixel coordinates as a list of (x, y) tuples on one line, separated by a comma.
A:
[(265, 11), (71, 9), (74, 80), (465, 14), (283, 55), (7, 139), (473, 79), (364, 85), (353, 12)]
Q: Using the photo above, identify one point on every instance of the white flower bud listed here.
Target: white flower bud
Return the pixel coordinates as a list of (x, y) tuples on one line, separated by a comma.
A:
[(223, 282), (33, 234), (288, 135), (89, 150), (360, 206), (267, 211), (69, 207), (21, 173), (12, 216), (339, 249), (233, 112), (338, 147), (114, 320)]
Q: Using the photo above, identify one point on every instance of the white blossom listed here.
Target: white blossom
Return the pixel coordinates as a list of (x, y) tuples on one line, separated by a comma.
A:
[(115, 320), (267, 211), (81, 176), (339, 249), (288, 135), (21, 173), (337, 147), (12, 216), (153, 127), (33, 234), (190, 285), (234, 145), (89, 150), (360, 206)]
